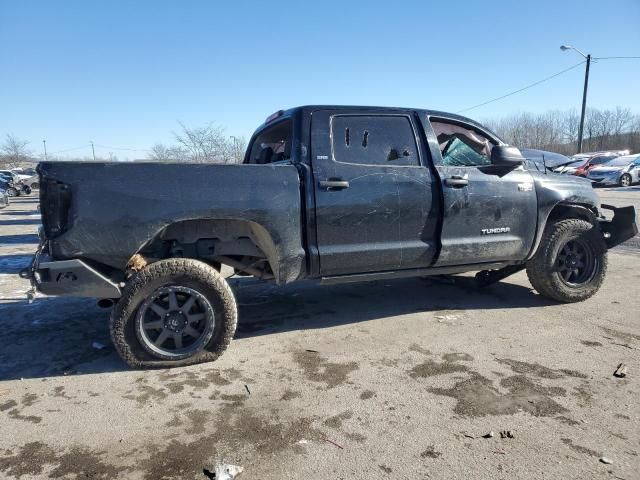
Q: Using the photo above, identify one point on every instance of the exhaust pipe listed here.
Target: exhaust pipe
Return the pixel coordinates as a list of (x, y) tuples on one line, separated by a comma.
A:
[(106, 303)]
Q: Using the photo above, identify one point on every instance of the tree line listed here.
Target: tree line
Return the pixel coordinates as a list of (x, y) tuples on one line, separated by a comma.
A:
[(205, 144), (554, 130), (557, 130)]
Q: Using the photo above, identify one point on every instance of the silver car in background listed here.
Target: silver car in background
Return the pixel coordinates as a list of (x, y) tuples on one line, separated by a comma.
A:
[(4, 198), (622, 171)]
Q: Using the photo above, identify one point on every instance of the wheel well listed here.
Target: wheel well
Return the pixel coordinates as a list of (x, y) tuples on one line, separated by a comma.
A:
[(237, 243), (562, 211)]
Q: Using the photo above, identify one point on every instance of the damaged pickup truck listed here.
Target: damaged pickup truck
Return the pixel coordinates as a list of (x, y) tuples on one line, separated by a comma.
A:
[(337, 194)]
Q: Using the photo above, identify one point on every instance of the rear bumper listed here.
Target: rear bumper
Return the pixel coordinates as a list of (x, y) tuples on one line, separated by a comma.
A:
[(68, 278), (621, 227), (74, 278)]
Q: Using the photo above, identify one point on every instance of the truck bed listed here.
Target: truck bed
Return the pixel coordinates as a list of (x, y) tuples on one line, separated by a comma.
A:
[(114, 209)]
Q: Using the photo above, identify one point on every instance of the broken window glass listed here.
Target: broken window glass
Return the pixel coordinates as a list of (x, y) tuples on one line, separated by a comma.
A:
[(374, 140)]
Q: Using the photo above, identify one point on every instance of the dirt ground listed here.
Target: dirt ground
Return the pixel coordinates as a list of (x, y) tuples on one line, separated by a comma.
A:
[(388, 379)]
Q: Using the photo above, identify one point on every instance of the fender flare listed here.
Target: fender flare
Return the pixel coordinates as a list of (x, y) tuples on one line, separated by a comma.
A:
[(563, 210)]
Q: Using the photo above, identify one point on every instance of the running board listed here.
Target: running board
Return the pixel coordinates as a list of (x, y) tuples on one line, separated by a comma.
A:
[(414, 272), (490, 276)]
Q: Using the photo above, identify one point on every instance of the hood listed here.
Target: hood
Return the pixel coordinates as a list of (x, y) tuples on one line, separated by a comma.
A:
[(596, 170), (570, 188)]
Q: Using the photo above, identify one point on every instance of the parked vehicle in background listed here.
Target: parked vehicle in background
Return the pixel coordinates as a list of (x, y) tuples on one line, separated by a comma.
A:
[(337, 194), (12, 186), (29, 172), (544, 161), (622, 171), (571, 167), (4, 198), (28, 176), (8, 174), (593, 162)]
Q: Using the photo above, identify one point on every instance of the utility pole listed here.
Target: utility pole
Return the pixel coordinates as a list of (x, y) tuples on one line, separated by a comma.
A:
[(584, 103), (93, 151), (235, 148), (587, 57), (44, 142)]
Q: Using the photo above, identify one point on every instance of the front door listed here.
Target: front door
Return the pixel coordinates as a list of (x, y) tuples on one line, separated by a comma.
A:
[(373, 195), (489, 214)]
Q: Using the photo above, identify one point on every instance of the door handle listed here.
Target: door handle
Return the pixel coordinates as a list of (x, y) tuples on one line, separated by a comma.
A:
[(456, 181), (333, 184)]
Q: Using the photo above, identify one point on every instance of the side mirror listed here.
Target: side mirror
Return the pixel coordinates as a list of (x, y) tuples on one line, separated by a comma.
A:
[(506, 156)]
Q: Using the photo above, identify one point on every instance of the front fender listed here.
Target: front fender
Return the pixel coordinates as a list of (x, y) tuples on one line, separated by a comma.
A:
[(562, 195)]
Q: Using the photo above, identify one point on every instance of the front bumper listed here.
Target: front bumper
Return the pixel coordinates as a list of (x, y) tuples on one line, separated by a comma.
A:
[(67, 278), (621, 227), (605, 180)]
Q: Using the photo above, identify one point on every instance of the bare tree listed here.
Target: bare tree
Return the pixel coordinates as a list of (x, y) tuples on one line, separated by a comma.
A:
[(207, 144), (204, 144), (609, 129), (14, 150), (162, 153)]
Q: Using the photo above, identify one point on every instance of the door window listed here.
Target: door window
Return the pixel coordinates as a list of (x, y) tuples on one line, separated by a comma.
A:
[(462, 147), (374, 140)]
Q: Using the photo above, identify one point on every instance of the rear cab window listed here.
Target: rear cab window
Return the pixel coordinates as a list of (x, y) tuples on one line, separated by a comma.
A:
[(382, 140), (273, 144)]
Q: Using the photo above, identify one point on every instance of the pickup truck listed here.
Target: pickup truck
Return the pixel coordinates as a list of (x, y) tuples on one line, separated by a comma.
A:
[(333, 193)]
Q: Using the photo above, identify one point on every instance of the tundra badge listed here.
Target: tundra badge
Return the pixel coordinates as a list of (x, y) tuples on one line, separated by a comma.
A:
[(492, 231)]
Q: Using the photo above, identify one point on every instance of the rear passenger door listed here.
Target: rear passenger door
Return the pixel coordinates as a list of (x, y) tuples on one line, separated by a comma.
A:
[(373, 195)]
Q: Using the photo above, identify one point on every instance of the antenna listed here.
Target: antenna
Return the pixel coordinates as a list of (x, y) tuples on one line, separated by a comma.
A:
[(544, 164)]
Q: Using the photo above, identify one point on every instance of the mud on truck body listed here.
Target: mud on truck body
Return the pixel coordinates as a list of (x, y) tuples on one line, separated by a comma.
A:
[(333, 193)]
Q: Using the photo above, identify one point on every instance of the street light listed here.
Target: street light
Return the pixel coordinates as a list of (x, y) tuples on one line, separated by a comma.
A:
[(564, 48)]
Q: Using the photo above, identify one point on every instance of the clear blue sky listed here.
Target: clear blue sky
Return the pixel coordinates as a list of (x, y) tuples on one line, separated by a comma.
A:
[(121, 73)]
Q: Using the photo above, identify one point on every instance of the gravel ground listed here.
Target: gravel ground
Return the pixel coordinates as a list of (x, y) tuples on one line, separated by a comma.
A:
[(390, 379)]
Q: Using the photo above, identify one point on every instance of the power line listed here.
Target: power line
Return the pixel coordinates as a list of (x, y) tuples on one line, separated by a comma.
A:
[(69, 149), (611, 58), (123, 148), (522, 89)]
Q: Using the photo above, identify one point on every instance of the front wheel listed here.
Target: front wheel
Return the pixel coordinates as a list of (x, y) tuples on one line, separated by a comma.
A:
[(13, 192), (625, 180), (174, 312), (571, 262)]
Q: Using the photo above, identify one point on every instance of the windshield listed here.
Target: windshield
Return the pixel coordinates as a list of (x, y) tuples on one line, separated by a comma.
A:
[(577, 164), (619, 162), (601, 160)]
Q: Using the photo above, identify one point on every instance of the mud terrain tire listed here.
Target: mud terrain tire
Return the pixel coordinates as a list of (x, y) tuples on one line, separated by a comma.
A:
[(190, 275), (565, 245)]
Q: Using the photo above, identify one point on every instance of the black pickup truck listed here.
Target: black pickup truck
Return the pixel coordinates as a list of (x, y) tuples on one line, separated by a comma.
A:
[(338, 194)]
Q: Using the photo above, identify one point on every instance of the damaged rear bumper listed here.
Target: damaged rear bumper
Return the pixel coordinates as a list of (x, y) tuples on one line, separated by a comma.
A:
[(621, 227), (67, 278)]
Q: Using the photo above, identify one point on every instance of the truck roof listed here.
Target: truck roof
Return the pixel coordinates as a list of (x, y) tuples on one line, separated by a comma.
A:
[(304, 109)]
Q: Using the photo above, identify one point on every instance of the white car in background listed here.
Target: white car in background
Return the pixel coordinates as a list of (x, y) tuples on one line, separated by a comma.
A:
[(27, 176), (570, 168), (622, 171)]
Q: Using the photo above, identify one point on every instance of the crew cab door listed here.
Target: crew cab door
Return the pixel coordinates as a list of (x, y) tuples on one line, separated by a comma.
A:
[(373, 196), (489, 212)]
